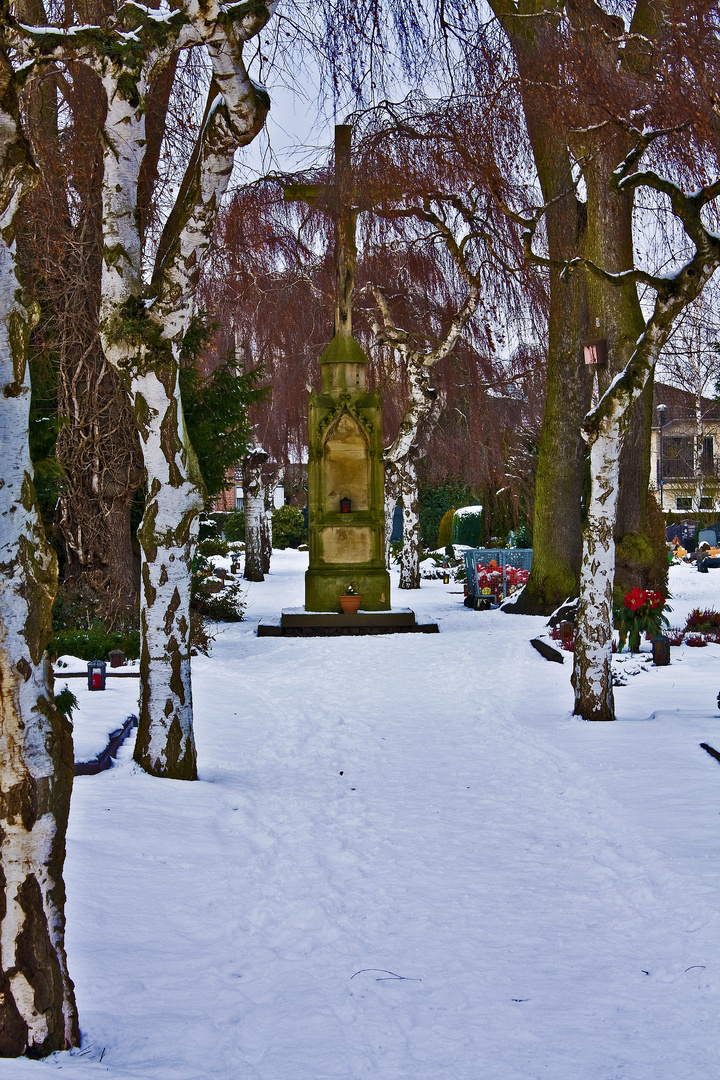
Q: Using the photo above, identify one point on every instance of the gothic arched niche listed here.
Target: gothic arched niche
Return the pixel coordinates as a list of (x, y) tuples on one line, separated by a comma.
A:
[(347, 465)]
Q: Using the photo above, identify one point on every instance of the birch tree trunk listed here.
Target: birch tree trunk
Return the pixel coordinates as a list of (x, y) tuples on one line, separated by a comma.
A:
[(254, 500), (37, 1003), (165, 744), (400, 466), (267, 537), (421, 410), (410, 552), (142, 335), (607, 425), (592, 675), (392, 492), (698, 447)]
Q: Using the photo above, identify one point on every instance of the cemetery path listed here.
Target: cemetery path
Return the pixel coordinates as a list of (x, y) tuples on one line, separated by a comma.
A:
[(404, 859)]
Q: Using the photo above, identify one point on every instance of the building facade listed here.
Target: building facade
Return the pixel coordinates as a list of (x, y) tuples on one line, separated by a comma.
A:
[(685, 451)]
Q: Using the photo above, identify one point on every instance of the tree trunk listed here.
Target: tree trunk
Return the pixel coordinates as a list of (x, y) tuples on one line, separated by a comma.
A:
[(410, 553), (97, 445), (557, 541), (392, 492), (165, 743), (267, 539), (616, 316), (134, 344), (605, 428), (37, 1002), (592, 677), (254, 501)]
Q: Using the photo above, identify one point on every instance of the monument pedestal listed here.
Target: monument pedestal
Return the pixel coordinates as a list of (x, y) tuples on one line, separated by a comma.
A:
[(297, 622)]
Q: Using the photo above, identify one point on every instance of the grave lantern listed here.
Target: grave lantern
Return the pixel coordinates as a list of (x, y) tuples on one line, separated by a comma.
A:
[(661, 650), (96, 674), (345, 505), (116, 657)]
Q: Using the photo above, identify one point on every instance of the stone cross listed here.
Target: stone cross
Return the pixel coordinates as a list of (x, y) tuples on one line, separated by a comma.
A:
[(343, 201)]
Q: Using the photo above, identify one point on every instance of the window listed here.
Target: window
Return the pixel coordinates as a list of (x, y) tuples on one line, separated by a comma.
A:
[(683, 503), (678, 458), (706, 503), (707, 463)]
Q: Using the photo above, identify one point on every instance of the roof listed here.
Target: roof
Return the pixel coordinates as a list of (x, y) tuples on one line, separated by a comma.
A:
[(681, 404)]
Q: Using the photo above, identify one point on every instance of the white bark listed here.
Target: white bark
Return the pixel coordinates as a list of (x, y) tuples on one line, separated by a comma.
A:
[(420, 410), (165, 744), (698, 445), (410, 552), (254, 501), (392, 491), (592, 676), (142, 336), (37, 1005), (605, 429)]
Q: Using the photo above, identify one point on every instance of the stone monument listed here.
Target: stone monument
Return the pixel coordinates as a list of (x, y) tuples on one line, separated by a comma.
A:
[(346, 511), (346, 506)]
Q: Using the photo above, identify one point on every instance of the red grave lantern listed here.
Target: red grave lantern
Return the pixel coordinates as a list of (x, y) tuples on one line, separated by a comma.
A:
[(345, 505)]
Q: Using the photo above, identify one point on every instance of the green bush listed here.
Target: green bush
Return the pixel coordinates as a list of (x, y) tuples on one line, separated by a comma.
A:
[(467, 528), (234, 526), (435, 501), (289, 529), (446, 527), (209, 528), (213, 546), (66, 703), (227, 606), (94, 643)]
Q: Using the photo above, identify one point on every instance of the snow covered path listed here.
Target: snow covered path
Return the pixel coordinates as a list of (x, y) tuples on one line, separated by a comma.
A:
[(405, 861)]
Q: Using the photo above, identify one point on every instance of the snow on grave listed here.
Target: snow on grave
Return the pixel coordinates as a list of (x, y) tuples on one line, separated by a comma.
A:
[(99, 713)]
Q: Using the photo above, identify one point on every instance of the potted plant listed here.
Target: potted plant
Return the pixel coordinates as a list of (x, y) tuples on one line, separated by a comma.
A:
[(350, 602)]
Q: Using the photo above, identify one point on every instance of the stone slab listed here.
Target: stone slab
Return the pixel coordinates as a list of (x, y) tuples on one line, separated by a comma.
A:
[(329, 625), (394, 617)]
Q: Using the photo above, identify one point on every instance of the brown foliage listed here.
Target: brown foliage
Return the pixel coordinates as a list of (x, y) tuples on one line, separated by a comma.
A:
[(61, 250)]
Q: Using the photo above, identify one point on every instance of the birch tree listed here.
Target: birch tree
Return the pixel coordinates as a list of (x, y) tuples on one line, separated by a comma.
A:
[(254, 503), (37, 1005), (401, 478), (142, 327), (606, 426)]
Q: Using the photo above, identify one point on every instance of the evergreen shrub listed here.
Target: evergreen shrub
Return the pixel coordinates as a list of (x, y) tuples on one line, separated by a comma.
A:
[(234, 526), (213, 546), (226, 606), (94, 643), (288, 527), (467, 528), (445, 528), (435, 501)]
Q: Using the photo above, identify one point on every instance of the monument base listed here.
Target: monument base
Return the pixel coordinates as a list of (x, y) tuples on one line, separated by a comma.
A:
[(324, 586), (297, 622)]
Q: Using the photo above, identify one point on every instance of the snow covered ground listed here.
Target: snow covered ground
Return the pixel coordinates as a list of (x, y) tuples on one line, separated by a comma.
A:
[(405, 860)]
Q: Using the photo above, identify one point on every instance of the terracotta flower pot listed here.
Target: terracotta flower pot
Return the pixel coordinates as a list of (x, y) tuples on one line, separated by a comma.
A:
[(350, 604)]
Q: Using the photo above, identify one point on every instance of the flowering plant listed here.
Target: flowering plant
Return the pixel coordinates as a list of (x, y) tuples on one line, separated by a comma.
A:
[(641, 613), (490, 576), (350, 591)]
